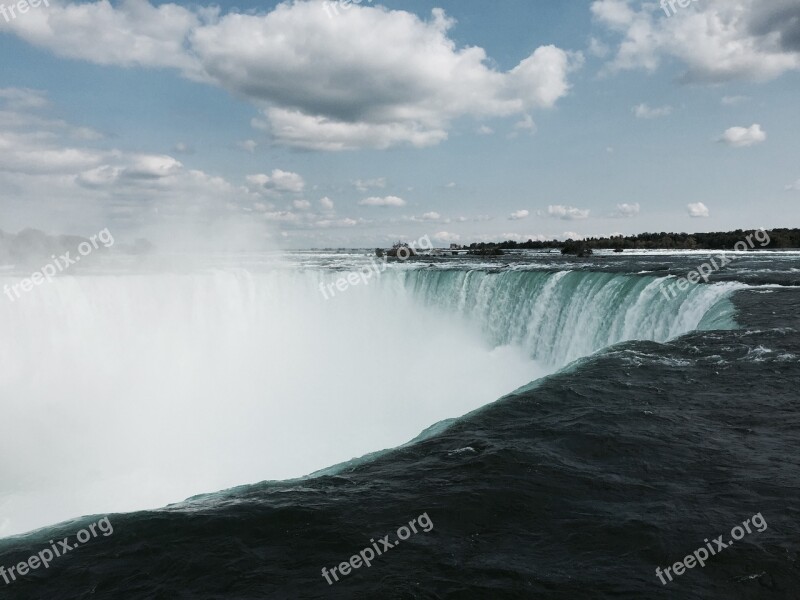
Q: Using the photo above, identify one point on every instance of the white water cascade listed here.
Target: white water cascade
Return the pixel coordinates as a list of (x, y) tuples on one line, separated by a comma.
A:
[(128, 391)]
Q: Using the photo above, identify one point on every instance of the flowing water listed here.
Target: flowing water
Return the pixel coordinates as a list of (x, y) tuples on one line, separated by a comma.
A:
[(134, 384)]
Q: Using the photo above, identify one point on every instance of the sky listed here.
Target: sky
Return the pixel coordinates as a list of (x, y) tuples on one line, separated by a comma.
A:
[(338, 124)]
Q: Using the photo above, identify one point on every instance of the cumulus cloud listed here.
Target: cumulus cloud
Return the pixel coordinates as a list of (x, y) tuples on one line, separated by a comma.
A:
[(278, 182), (716, 40), (567, 213), (286, 181), (519, 215), (99, 176), (446, 237), (152, 166), (326, 204), (49, 176), (627, 211), (698, 210), (399, 79), (302, 204), (643, 111), (132, 33), (392, 201), (741, 137), (431, 216)]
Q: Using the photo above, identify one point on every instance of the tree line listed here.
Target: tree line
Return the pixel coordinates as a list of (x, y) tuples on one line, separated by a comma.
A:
[(721, 240)]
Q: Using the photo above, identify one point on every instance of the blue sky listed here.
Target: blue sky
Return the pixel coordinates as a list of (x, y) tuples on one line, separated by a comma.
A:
[(461, 120)]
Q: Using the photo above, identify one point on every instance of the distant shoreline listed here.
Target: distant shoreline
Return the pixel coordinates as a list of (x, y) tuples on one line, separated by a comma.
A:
[(784, 239)]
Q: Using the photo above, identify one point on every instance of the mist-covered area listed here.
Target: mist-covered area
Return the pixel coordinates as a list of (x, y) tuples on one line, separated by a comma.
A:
[(139, 387), (31, 244), (30, 247)]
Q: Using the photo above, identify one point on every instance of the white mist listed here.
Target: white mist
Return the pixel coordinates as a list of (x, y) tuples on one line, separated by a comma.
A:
[(129, 391)]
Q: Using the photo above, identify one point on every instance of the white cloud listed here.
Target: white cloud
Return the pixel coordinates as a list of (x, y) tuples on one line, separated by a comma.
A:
[(302, 204), (132, 33), (402, 80), (314, 132), (741, 137), (150, 166), (23, 98), (363, 185), (43, 170), (698, 210), (627, 210), (519, 215), (734, 100), (642, 111), (286, 181), (717, 40), (27, 154), (525, 124), (87, 134), (571, 235), (614, 13), (567, 213), (278, 182), (99, 176), (598, 48), (485, 130), (326, 204), (431, 216), (284, 216), (338, 223), (248, 145), (392, 201), (446, 237), (259, 180), (451, 185)]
